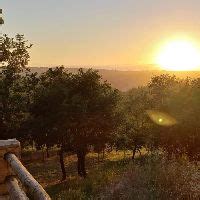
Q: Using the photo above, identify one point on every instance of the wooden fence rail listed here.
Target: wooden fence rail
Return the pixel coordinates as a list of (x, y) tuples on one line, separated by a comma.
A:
[(15, 192), (12, 169)]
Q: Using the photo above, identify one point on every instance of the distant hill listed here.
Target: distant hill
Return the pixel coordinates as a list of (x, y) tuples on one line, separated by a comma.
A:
[(125, 80)]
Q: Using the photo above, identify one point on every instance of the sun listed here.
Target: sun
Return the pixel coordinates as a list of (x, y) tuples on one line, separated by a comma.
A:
[(179, 55)]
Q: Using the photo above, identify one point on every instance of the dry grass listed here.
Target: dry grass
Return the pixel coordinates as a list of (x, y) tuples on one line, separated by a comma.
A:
[(153, 177), (100, 174), (149, 177)]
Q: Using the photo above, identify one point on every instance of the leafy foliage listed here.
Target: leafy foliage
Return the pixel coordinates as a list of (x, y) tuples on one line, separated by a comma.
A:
[(13, 98), (80, 112)]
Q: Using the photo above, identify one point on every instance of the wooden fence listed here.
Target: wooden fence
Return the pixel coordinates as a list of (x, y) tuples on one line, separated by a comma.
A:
[(15, 180)]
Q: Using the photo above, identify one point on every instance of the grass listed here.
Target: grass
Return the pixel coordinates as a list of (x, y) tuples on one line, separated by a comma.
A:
[(100, 174), (154, 177), (116, 177)]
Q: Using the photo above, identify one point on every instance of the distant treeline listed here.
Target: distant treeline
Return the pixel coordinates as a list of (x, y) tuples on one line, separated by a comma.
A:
[(126, 80), (79, 112)]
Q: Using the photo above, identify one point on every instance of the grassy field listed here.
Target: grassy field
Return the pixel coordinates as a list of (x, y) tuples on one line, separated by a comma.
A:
[(116, 177), (154, 177), (100, 174)]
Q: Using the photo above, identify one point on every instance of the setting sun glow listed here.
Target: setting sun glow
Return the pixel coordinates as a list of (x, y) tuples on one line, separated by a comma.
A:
[(179, 55)]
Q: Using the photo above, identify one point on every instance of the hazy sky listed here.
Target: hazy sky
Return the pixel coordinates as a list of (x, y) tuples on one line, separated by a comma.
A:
[(99, 32)]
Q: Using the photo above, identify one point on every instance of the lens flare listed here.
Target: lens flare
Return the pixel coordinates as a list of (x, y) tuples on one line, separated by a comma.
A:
[(161, 118)]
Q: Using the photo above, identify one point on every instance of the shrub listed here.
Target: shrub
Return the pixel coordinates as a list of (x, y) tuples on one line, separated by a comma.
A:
[(157, 178)]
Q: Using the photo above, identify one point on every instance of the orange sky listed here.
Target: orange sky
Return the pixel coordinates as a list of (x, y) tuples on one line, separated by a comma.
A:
[(100, 33)]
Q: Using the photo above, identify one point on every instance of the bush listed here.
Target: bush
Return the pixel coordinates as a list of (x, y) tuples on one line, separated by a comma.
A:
[(157, 178)]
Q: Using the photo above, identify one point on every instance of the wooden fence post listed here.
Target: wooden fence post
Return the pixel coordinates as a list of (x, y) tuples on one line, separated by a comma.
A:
[(11, 168), (6, 146)]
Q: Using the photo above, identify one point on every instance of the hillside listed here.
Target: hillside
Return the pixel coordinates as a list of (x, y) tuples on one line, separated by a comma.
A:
[(125, 80)]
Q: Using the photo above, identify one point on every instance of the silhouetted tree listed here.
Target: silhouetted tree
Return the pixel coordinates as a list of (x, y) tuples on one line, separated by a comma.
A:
[(50, 111), (180, 99), (133, 131), (73, 112), (14, 61), (93, 104)]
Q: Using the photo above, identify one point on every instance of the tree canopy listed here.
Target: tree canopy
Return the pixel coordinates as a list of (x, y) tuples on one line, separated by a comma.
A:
[(78, 112)]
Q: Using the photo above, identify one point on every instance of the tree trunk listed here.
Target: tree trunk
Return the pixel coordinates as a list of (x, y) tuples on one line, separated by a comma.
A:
[(98, 157), (140, 152), (103, 153), (124, 153), (81, 163), (134, 151), (62, 164), (43, 155), (33, 145), (47, 150)]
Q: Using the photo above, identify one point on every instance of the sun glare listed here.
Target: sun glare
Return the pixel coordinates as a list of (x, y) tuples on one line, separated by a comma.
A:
[(179, 55)]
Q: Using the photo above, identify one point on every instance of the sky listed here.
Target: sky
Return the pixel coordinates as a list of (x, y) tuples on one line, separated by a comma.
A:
[(122, 33)]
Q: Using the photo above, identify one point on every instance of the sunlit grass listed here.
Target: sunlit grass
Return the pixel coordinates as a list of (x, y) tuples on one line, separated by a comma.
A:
[(100, 173), (154, 177), (117, 177)]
